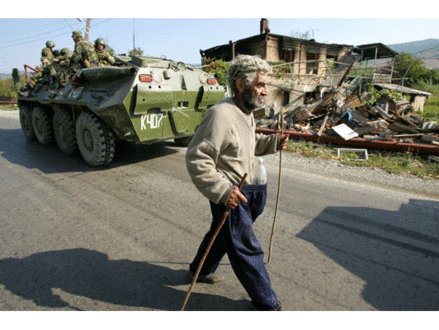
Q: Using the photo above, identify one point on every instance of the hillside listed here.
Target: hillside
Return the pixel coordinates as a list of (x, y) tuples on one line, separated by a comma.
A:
[(5, 75), (427, 50)]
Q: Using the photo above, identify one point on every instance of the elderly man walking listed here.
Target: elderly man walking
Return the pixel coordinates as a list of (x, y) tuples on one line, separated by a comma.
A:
[(222, 150)]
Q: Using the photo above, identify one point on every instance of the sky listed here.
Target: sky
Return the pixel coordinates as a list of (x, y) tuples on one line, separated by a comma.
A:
[(178, 30)]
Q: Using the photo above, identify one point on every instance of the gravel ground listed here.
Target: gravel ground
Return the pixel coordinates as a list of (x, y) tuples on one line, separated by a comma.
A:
[(366, 175)]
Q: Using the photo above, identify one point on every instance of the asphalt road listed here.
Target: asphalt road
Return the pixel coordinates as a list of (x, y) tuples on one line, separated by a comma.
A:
[(121, 237)]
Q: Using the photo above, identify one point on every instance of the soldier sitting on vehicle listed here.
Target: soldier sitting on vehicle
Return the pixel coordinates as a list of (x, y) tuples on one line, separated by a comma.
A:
[(63, 69), (35, 78), (46, 53), (105, 58), (84, 55), (61, 63)]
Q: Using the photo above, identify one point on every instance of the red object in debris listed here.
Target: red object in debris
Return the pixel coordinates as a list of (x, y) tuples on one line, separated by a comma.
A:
[(358, 142)]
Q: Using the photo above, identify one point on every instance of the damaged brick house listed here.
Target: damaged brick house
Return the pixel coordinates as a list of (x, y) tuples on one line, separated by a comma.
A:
[(313, 67), (320, 101)]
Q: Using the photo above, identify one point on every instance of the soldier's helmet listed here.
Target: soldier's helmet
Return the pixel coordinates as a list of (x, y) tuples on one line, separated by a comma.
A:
[(100, 41), (66, 52), (50, 44)]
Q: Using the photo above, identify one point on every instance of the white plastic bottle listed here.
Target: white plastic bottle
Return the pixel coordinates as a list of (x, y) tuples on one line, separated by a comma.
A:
[(259, 172)]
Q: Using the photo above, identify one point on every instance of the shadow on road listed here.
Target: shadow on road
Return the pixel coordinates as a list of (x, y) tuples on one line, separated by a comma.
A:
[(49, 159), (395, 252), (91, 274)]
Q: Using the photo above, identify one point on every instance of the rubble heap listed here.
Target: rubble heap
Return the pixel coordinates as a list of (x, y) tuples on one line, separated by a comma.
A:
[(349, 117)]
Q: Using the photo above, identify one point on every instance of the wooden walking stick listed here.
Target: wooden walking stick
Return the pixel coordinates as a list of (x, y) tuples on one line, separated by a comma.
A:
[(223, 220), (278, 188)]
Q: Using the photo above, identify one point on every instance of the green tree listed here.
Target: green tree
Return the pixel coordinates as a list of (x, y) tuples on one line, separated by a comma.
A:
[(217, 67), (136, 51), (410, 68), (433, 76), (7, 87)]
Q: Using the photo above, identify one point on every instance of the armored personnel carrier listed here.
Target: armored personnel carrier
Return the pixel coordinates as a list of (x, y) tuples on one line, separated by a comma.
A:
[(142, 99)]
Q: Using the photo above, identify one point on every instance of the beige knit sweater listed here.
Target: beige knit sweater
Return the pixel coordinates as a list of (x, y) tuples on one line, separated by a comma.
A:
[(223, 149)]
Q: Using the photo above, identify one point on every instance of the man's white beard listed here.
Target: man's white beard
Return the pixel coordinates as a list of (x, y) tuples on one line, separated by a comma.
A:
[(252, 102)]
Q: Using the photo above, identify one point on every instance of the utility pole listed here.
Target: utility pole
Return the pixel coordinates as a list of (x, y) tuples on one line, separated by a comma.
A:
[(134, 36), (87, 28)]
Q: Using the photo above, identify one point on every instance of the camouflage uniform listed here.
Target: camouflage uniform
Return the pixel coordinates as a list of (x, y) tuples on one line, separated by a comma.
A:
[(105, 58), (46, 71), (63, 69), (46, 53), (84, 55), (62, 63)]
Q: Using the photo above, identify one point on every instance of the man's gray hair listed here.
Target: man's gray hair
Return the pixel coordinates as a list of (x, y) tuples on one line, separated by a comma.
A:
[(245, 67)]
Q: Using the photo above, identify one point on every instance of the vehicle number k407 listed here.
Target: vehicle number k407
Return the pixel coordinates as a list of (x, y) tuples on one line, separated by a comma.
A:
[(152, 120)]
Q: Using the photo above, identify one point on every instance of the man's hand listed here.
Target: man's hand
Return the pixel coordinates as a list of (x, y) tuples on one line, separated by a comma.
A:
[(283, 141), (235, 198)]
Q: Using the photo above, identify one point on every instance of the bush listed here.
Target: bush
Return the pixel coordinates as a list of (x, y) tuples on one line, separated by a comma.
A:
[(375, 94), (7, 87), (427, 87), (217, 67)]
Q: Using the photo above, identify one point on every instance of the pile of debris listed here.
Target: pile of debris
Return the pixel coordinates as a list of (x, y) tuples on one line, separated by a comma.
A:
[(351, 117)]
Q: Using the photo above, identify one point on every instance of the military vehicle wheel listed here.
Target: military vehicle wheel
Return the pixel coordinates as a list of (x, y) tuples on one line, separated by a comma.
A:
[(42, 124), (25, 115), (65, 132), (183, 142), (95, 140)]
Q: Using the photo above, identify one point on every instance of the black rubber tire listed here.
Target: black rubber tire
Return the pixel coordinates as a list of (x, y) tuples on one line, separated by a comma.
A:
[(95, 140), (65, 132), (42, 124), (25, 115)]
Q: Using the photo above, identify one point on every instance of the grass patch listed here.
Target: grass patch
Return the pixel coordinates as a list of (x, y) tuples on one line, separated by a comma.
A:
[(431, 108), (8, 107), (391, 162)]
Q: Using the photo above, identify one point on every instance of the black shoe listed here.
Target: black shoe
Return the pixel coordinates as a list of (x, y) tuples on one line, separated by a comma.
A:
[(260, 307), (209, 279)]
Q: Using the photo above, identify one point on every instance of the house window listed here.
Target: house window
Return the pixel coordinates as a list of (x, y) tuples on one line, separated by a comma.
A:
[(288, 55), (312, 64)]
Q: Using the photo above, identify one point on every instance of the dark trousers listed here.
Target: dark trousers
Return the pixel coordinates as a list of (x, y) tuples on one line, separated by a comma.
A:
[(238, 240)]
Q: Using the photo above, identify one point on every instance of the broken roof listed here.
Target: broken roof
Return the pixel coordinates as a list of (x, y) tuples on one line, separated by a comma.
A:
[(372, 51), (404, 90), (286, 42)]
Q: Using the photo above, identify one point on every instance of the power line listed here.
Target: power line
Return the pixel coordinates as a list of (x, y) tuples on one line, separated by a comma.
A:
[(107, 20), (35, 40), (27, 31), (46, 36)]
